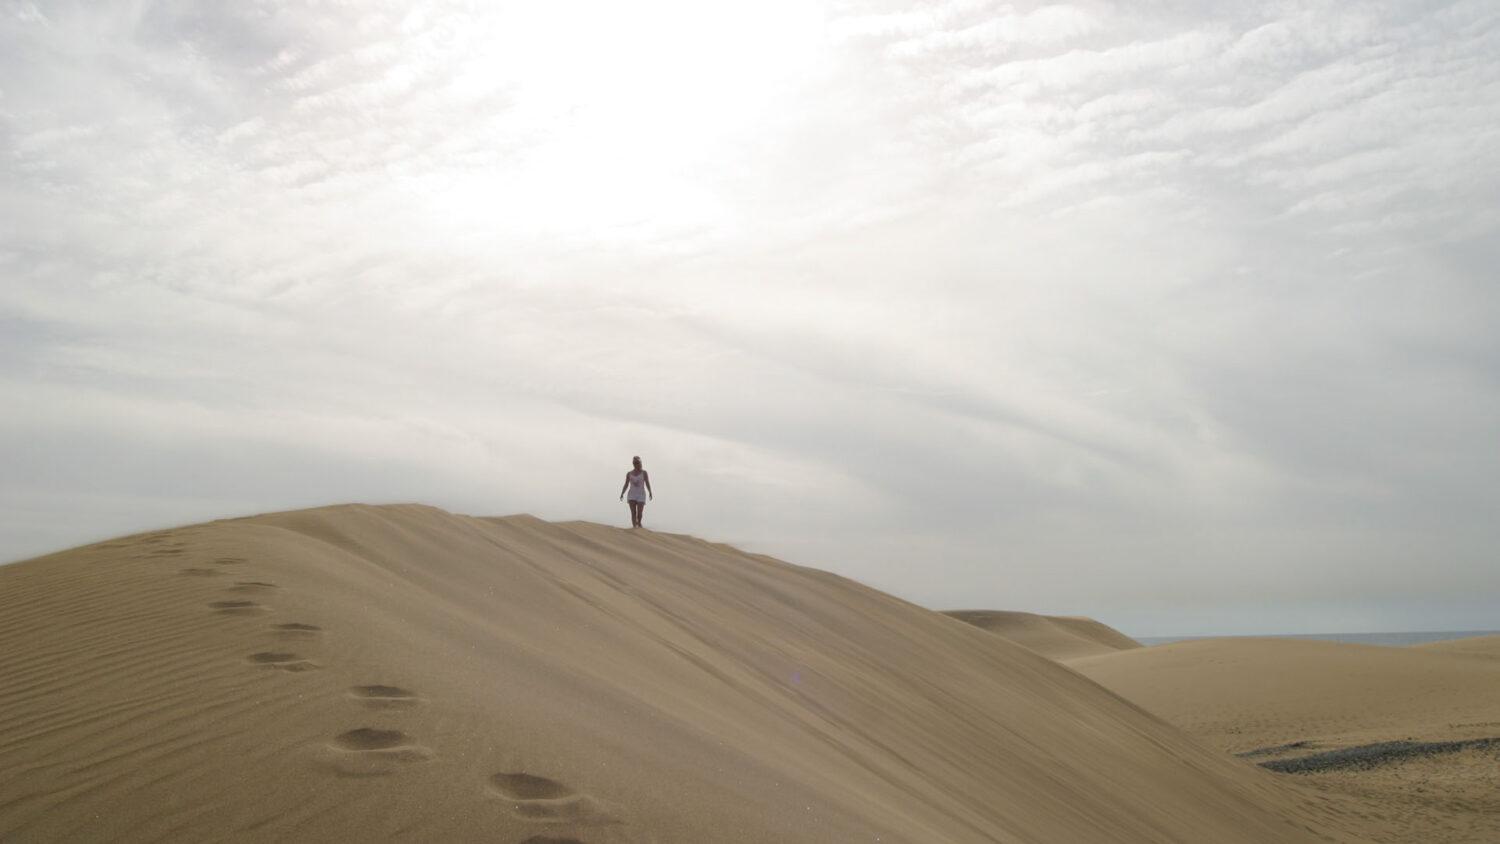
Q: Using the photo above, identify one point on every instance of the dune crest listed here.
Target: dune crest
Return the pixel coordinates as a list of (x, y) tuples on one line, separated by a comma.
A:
[(400, 670), (1411, 732), (1486, 647), (1300, 689), (1060, 637)]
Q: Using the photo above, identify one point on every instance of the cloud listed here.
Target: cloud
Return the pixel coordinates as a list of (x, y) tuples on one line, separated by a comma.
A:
[(1076, 307)]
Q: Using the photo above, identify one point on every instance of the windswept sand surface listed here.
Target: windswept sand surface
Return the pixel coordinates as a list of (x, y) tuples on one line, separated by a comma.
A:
[(1486, 647), (1292, 698), (1245, 693), (364, 673), (1062, 637)]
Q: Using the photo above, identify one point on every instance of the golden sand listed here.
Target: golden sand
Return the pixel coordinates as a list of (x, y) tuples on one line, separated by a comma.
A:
[(1055, 636), (398, 672), (1292, 698)]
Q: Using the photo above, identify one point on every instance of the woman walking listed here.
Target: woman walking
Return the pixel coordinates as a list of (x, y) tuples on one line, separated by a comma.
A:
[(638, 483)]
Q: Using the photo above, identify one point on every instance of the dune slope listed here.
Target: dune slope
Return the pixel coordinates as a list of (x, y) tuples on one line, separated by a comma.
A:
[(382, 672), (1244, 693), (1292, 701), (1487, 647), (1061, 637)]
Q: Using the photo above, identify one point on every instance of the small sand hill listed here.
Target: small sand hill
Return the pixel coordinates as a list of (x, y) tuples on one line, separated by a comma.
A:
[(371, 673), (1411, 734), (1245, 693), (1487, 647), (1061, 637)]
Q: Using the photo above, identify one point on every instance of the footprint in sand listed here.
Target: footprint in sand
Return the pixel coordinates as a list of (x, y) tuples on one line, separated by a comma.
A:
[(197, 572), (373, 752), (384, 697), (296, 630), (283, 661), (252, 586), (237, 607), (535, 798), (229, 561)]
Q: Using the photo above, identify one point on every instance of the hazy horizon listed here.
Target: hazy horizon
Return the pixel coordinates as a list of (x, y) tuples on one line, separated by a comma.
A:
[(1178, 316)]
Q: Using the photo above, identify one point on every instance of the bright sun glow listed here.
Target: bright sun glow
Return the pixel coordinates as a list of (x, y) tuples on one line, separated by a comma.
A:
[(632, 100)]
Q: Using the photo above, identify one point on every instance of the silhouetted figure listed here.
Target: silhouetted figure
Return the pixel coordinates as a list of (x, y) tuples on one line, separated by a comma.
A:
[(638, 484)]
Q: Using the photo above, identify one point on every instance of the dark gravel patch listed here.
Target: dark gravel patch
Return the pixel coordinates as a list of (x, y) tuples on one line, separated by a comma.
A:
[(1370, 755), (1274, 751)]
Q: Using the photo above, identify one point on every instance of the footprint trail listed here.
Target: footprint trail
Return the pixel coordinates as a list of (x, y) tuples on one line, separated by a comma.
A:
[(544, 800)]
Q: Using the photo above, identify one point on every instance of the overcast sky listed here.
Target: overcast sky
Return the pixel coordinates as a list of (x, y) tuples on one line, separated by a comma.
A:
[(1182, 315)]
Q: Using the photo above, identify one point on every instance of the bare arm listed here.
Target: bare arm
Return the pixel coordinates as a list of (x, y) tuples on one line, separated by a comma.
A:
[(647, 476), (626, 485)]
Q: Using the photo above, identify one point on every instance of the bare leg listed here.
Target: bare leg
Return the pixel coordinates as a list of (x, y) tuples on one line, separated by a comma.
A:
[(635, 514), (640, 513)]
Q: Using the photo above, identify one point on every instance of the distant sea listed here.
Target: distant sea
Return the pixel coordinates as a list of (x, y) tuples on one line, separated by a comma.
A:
[(1394, 639)]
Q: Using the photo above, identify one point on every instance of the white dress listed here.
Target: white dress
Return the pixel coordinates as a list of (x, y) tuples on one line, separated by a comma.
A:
[(637, 490)]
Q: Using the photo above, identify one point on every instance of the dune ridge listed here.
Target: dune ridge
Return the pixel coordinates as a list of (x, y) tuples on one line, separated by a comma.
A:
[(1061, 637), (1413, 733), (1485, 647), (402, 671), (1299, 689)]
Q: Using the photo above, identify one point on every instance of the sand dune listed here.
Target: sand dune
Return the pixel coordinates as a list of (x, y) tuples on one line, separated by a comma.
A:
[(1290, 699), (1480, 646), (1299, 689), (1062, 637), (383, 672)]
